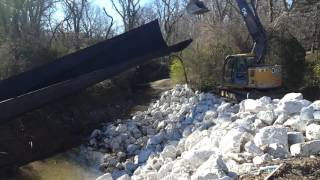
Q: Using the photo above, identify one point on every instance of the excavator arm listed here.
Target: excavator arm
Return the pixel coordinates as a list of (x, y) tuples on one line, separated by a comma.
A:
[(251, 19), (255, 29)]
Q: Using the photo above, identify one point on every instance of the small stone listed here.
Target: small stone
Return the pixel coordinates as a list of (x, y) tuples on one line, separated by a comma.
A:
[(258, 160), (130, 167), (121, 128)]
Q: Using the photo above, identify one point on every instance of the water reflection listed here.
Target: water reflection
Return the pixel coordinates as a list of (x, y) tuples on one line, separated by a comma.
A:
[(76, 164)]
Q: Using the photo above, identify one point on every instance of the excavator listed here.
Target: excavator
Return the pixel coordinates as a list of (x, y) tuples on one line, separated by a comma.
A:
[(243, 75)]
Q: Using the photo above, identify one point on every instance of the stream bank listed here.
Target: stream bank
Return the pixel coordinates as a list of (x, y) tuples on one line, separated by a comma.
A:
[(78, 163)]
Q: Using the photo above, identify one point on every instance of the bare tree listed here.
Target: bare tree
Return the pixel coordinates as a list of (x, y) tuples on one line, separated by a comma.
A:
[(169, 13), (75, 10), (110, 25), (129, 11)]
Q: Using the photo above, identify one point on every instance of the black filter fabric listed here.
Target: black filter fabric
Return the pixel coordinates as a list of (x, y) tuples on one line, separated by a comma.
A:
[(137, 42)]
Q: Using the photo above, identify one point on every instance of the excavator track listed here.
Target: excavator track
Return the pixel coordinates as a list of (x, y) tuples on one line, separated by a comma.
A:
[(238, 94)]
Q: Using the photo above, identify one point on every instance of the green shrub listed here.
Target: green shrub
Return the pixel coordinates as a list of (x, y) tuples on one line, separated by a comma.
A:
[(316, 72), (176, 71), (203, 63)]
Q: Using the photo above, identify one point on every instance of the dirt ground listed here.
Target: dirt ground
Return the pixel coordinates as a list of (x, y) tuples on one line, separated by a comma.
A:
[(293, 169)]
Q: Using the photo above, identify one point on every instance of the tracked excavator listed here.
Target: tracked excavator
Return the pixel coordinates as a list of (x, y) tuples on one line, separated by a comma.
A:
[(245, 75)]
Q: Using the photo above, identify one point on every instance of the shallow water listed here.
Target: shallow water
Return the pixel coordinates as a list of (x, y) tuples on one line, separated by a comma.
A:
[(76, 164)]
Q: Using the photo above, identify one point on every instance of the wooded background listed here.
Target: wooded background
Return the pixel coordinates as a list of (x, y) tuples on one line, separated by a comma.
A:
[(31, 34)]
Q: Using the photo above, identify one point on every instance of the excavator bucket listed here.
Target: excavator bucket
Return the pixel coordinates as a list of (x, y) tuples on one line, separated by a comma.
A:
[(196, 7)]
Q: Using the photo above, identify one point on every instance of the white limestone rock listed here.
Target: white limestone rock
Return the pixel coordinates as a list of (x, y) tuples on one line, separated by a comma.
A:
[(278, 150), (151, 175), (124, 177), (271, 134), (165, 170), (121, 128), (106, 176), (265, 100), (196, 157), (131, 149), (296, 123), (289, 107), (282, 118), (291, 96), (267, 117), (295, 138), (307, 113), (251, 148), (182, 166), (169, 152), (316, 115), (213, 168), (143, 156), (258, 124), (313, 132), (156, 139), (316, 105), (240, 169), (210, 115), (306, 148), (258, 160), (250, 105), (234, 140), (193, 138)]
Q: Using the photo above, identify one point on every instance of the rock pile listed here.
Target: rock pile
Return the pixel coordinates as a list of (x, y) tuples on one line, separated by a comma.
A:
[(192, 135)]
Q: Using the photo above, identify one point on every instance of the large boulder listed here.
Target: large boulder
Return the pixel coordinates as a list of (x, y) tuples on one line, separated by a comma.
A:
[(306, 148), (270, 135), (234, 141), (213, 168)]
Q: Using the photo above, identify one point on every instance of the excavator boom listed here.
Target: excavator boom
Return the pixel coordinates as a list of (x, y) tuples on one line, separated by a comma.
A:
[(251, 19)]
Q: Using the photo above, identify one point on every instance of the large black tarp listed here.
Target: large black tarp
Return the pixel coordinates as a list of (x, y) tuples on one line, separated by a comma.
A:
[(133, 44), (34, 88)]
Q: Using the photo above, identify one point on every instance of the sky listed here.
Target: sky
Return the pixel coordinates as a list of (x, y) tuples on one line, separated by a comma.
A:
[(108, 5)]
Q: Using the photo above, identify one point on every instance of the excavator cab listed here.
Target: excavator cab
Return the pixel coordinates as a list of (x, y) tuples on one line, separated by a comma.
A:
[(241, 71), (235, 69), (196, 7)]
